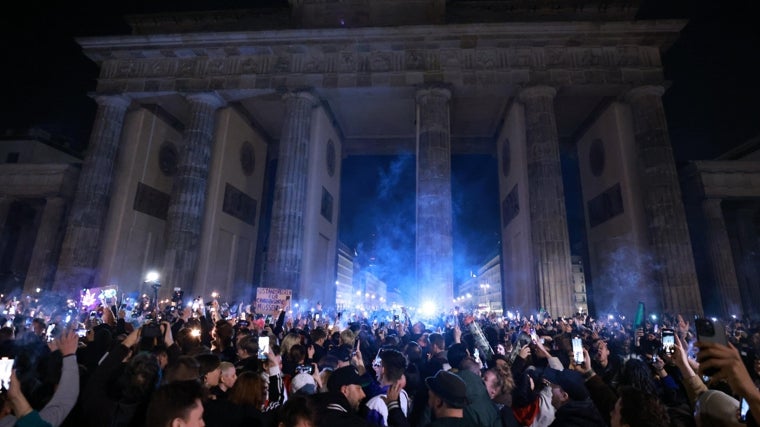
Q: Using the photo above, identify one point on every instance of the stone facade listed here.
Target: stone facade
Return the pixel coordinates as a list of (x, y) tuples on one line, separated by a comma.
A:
[(304, 97)]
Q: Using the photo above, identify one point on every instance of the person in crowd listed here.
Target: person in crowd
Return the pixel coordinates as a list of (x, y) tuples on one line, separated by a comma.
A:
[(209, 370), (637, 408), (447, 398), (227, 379), (177, 404), (298, 411), (389, 366), (247, 355), (63, 400), (499, 384), (340, 405), (571, 399), (121, 387)]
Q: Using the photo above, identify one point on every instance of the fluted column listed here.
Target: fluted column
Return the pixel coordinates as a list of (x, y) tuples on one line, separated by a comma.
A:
[(434, 244), (285, 252), (44, 255), (81, 244), (721, 258), (669, 238), (188, 198), (548, 218)]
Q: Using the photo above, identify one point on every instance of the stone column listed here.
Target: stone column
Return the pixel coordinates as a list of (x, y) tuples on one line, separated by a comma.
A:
[(434, 245), (81, 244), (721, 259), (286, 234), (669, 239), (748, 259), (42, 263), (548, 218), (188, 198)]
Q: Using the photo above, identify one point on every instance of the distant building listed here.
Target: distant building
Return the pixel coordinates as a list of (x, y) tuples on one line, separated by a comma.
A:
[(344, 283), (482, 291)]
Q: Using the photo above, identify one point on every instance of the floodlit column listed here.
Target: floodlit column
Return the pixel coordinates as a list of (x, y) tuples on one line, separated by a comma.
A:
[(188, 197), (669, 238), (284, 256), (81, 244), (721, 259), (548, 218), (434, 244), (44, 255)]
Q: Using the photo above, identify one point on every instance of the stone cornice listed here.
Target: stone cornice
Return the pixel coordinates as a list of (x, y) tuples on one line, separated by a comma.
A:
[(466, 55), (38, 180), (721, 179)]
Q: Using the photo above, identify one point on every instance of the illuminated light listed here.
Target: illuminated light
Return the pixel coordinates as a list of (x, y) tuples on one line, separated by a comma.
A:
[(38, 290), (733, 315), (358, 292), (510, 315), (654, 317), (427, 309), (337, 282), (454, 300), (296, 305), (609, 316), (152, 276), (714, 319), (195, 332), (469, 295), (215, 294)]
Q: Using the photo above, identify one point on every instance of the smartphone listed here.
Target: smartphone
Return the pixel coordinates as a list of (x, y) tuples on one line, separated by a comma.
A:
[(307, 369), (263, 348), (577, 350), (81, 333), (50, 332), (711, 331), (743, 410), (668, 341), (6, 367)]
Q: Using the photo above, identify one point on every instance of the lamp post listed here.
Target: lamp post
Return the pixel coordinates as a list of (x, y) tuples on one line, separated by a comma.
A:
[(152, 279)]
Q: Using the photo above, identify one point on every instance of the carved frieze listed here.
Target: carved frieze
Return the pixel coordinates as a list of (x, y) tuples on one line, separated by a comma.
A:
[(549, 64)]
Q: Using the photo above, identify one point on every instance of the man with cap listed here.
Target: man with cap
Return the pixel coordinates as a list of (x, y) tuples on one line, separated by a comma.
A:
[(447, 398), (340, 405), (571, 399)]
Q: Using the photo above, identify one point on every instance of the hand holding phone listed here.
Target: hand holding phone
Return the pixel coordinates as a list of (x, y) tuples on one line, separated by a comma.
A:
[(578, 351), (6, 369), (263, 348), (668, 341)]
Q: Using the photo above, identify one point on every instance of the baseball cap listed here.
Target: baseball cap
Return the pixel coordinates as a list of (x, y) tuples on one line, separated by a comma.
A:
[(346, 375), (303, 383), (571, 382)]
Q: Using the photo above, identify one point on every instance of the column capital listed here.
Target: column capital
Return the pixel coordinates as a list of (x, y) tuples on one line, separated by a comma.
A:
[(536, 92), (438, 89), (306, 94), (119, 101), (640, 91), (211, 98)]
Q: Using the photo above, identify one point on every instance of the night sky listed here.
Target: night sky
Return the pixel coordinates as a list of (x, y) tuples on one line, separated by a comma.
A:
[(712, 104)]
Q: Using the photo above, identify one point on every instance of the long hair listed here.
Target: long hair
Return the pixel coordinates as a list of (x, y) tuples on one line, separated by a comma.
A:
[(248, 390)]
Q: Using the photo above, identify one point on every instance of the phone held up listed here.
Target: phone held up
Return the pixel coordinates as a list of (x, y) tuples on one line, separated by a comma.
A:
[(263, 348), (668, 341), (743, 410), (577, 350), (709, 330), (6, 367)]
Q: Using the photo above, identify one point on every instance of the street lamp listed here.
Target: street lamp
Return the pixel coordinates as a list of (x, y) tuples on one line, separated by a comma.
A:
[(152, 279)]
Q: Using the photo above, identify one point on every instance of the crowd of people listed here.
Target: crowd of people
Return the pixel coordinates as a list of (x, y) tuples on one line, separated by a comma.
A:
[(201, 365)]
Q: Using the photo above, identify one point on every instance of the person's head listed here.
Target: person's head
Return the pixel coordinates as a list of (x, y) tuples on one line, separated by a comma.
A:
[(297, 353), (185, 368), (437, 343), (302, 383), (447, 394), (298, 411), (177, 404), (223, 333), (638, 374), (499, 382), (392, 366), (228, 375), (248, 346), (139, 378), (342, 354), (347, 382), (599, 351), (209, 369), (635, 408), (249, 389), (566, 385), (38, 326), (456, 354), (289, 340), (347, 338), (318, 335)]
